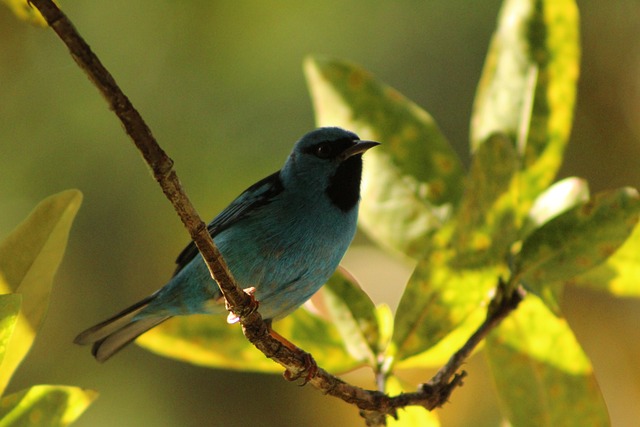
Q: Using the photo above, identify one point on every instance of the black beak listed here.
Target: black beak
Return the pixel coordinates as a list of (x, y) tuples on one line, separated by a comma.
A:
[(358, 148)]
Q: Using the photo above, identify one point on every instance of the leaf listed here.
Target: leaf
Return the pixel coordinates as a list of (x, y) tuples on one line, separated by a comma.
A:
[(45, 405), (528, 87), (485, 225), (619, 274), (410, 416), (557, 199), (25, 11), (29, 259), (9, 310), (577, 240), (437, 299), (411, 182), (209, 341), (354, 315), (542, 376)]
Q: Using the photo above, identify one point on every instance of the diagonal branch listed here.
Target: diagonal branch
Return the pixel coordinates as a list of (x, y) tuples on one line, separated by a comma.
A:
[(374, 405)]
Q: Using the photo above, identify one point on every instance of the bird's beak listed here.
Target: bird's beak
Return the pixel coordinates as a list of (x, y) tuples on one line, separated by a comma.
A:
[(358, 148)]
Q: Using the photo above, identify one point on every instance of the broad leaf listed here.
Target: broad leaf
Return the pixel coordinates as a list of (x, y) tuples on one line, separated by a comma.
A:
[(25, 11), (29, 259), (354, 315), (414, 179), (9, 310), (209, 341), (542, 375), (437, 299), (578, 239), (528, 86), (557, 199), (45, 405)]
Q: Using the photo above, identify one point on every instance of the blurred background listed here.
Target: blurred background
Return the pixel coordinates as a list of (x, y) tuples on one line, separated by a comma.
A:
[(221, 85)]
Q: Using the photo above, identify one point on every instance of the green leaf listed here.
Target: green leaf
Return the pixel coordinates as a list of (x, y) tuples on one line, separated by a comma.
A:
[(485, 225), (619, 274), (410, 416), (528, 87), (209, 341), (25, 11), (557, 199), (413, 180), (438, 298), (542, 376), (9, 310), (354, 315), (577, 240), (45, 405), (29, 259)]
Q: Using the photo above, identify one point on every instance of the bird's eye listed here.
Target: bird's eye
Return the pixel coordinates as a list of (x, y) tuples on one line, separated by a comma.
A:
[(323, 151)]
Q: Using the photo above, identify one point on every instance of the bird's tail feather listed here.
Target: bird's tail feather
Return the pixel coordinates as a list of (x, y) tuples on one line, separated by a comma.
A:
[(113, 334)]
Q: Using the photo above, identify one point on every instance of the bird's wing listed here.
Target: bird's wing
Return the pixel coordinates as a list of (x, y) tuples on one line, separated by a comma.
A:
[(254, 197)]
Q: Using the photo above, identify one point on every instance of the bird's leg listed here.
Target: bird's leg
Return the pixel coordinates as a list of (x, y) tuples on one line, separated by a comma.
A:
[(310, 366)]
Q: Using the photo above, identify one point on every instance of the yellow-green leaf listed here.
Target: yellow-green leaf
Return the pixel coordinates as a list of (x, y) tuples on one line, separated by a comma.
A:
[(528, 86), (557, 199), (438, 298), (9, 310), (209, 341), (354, 315), (25, 11), (29, 259), (542, 375), (45, 405), (578, 239), (619, 274), (414, 179)]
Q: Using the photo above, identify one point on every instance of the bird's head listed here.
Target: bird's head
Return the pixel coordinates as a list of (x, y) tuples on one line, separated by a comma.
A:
[(327, 160)]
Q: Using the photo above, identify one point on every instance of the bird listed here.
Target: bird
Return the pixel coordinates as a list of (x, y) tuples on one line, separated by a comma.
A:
[(283, 237)]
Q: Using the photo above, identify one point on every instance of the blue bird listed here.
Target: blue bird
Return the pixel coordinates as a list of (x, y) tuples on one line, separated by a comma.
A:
[(283, 236)]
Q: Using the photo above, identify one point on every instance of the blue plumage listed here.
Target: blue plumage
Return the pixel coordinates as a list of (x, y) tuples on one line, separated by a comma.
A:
[(284, 236)]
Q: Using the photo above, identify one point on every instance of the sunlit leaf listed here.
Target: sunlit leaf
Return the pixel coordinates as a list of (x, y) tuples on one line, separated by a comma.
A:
[(25, 11), (209, 341), (45, 405), (29, 259), (542, 375), (414, 179), (558, 198), (528, 87), (437, 299), (619, 274), (9, 310), (410, 416), (485, 225), (578, 239), (354, 315)]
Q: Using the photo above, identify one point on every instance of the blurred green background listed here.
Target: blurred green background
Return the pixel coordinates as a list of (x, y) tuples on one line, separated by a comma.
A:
[(220, 84)]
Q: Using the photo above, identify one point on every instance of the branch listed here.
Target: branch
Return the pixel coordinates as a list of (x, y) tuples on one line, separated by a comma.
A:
[(374, 405)]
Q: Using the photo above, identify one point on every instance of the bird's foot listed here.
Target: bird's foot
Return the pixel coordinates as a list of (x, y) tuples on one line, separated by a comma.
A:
[(253, 306), (310, 366)]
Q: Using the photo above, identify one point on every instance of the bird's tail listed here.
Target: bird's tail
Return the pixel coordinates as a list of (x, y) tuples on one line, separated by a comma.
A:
[(113, 334)]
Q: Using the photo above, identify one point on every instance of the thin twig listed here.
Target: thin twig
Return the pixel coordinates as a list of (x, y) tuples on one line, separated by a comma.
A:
[(374, 405)]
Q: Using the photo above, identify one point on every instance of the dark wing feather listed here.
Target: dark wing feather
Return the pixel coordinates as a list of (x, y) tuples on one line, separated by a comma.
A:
[(259, 194)]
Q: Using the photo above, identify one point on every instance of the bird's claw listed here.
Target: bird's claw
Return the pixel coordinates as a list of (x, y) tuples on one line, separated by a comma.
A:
[(310, 370), (252, 307)]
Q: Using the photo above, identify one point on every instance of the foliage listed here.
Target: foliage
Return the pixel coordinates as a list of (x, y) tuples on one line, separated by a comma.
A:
[(29, 258), (504, 219)]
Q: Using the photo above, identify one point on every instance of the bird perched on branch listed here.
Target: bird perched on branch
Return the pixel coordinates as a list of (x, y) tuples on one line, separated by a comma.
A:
[(283, 236)]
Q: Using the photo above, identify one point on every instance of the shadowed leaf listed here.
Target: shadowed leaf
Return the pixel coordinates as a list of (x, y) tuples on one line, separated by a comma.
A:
[(414, 179), (542, 375), (45, 405), (29, 259)]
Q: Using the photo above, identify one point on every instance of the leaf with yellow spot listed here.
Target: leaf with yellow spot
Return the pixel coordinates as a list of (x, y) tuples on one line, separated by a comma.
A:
[(9, 311), (413, 180), (29, 259), (45, 405), (528, 87), (577, 240), (543, 377)]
